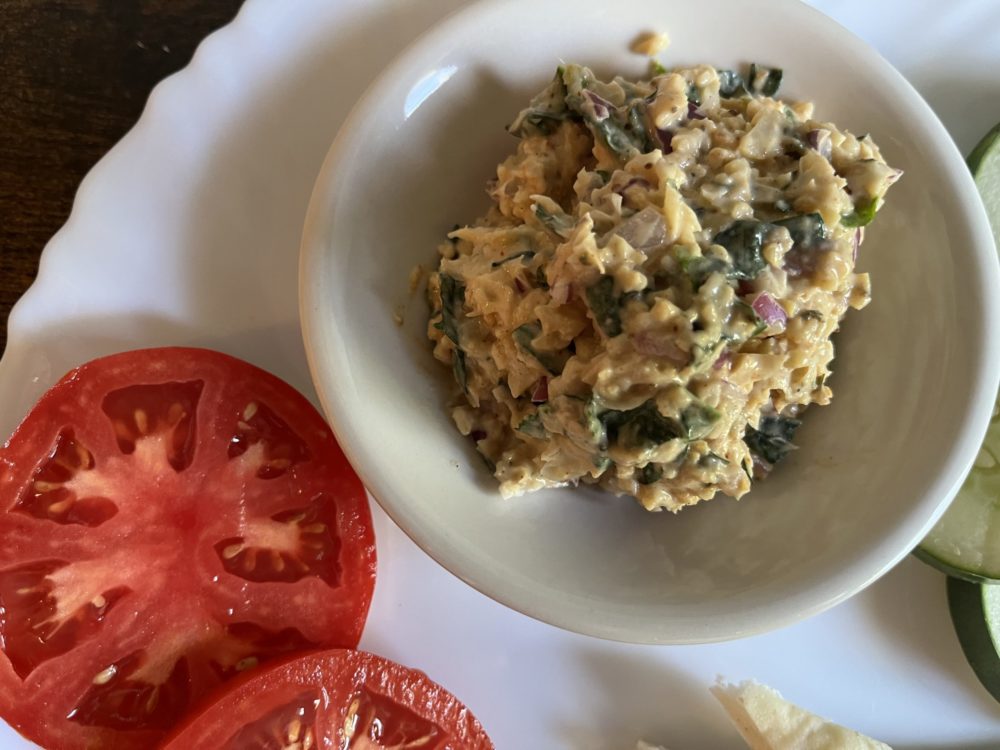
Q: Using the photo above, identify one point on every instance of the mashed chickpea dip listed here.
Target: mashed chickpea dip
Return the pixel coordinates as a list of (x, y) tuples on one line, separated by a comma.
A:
[(648, 304)]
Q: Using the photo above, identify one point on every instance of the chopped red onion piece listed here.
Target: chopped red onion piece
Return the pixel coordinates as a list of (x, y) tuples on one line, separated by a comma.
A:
[(602, 107), (724, 359), (656, 344), (644, 229), (665, 137), (519, 284), (768, 310), (694, 113), (541, 393), (820, 140), (859, 235)]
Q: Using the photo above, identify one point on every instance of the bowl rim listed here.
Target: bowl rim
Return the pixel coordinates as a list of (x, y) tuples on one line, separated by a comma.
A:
[(861, 572)]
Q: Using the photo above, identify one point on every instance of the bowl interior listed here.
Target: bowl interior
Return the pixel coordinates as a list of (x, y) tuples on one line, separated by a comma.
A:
[(874, 469)]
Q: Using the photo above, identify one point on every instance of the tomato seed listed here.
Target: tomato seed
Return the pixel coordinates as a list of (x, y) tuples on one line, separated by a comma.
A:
[(232, 550), (105, 676), (57, 508), (141, 421), (250, 411), (294, 730)]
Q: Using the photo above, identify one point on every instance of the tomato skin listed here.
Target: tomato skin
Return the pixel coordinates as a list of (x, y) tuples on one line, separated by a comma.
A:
[(117, 610), (408, 699)]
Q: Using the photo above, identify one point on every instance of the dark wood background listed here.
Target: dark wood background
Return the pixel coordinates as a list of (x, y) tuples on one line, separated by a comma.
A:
[(74, 76)]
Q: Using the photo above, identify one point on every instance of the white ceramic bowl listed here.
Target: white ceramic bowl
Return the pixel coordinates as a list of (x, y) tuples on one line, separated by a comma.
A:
[(915, 373)]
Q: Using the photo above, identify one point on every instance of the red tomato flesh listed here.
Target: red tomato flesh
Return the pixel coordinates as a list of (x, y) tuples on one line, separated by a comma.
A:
[(339, 699), (169, 518)]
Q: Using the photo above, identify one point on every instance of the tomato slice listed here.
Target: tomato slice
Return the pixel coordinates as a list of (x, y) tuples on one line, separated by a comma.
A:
[(169, 518), (338, 699)]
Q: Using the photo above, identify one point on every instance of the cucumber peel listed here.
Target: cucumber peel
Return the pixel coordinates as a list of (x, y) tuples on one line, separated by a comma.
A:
[(975, 611), (965, 543)]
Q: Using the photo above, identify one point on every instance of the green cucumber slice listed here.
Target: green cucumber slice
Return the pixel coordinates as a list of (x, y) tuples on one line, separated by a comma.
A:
[(965, 543), (975, 612), (984, 161)]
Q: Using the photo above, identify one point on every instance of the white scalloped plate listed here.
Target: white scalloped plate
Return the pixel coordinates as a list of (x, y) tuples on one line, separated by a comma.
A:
[(187, 232)]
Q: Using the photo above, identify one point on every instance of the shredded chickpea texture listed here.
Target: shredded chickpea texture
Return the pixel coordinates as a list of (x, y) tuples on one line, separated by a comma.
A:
[(648, 304)]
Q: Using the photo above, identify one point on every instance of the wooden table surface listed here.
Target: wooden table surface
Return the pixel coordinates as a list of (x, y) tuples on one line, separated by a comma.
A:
[(74, 76)]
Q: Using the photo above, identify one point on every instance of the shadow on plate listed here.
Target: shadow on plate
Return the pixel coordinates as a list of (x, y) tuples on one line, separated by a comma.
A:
[(909, 609), (619, 689)]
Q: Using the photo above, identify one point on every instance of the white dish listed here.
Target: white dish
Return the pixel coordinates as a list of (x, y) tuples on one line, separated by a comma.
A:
[(874, 470), (188, 233)]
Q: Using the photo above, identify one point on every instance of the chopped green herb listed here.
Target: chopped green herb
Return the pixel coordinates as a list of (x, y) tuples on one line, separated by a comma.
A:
[(698, 419), (730, 84), (699, 268), (524, 254), (807, 230), (452, 301), (712, 460), (656, 68), (649, 473), (864, 212), (605, 306), (532, 425), (639, 427), (744, 240), (459, 370), (763, 80), (540, 281), (694, 95), (772, 440), (551, 361), (557, 222), (601, 463), (545, 111)]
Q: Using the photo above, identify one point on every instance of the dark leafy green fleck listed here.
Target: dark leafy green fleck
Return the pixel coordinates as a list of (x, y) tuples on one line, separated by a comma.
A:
[(605, 306), (524, 254), (649, 473), (592, 421), (545, 111), (532, 426), (759, 325), (540, 281), (763, 80), (698, 269), (730, 84), (772, 440), (694, 95), (458, 368), (551, 361), (744, 240), (864, 212), (712, 460), (807, 230), (555, 221), (811, 315), (639, 427), (697, 419), (452, 301)]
